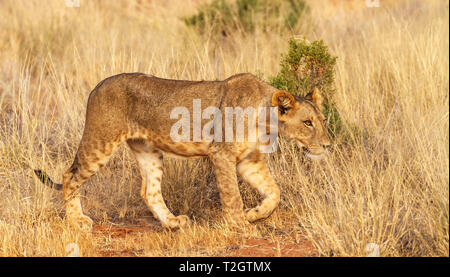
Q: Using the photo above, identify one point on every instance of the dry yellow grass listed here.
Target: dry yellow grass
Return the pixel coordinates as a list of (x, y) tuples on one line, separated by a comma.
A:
[(390, 187)]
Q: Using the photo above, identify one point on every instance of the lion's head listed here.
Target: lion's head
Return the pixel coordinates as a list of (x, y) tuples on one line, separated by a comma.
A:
[(301, 119)]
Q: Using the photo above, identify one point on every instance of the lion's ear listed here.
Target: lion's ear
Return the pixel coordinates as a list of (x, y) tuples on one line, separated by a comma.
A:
[(315, 97), (284, 101)]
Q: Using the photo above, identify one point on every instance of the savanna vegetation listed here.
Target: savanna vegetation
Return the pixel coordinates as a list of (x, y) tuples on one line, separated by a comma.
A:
[(384, 71)]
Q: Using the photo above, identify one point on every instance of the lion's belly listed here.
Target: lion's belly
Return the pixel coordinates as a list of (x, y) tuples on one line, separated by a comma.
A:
[(183, 149)]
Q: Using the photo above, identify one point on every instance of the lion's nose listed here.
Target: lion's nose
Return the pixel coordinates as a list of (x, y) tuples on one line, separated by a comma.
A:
[(326, 144)]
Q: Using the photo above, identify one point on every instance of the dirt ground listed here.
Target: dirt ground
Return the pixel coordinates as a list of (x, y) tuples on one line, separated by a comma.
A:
[(281, 246)]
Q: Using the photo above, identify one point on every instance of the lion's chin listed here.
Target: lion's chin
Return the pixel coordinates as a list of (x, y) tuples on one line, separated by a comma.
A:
[(309, 154), (314, 157)]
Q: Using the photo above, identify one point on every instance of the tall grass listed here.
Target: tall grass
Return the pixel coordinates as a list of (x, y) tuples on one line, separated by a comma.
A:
[(390, 187)]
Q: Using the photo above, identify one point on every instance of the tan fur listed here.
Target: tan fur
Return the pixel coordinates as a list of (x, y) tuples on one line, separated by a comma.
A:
[(136, 108)]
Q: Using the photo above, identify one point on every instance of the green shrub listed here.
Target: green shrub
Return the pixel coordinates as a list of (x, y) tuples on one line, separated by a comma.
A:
[(224, 17), (306, 66)]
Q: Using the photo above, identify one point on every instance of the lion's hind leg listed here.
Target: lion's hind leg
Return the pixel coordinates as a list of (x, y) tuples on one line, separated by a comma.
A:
[(150, 162), (91, 155)]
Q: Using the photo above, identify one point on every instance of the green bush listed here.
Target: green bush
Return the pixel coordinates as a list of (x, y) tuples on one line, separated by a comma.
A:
[(224, 17), (306, 66)]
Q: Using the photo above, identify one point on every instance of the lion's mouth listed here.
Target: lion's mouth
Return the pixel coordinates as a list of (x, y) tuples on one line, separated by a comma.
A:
[(312, 156), (309, 154)]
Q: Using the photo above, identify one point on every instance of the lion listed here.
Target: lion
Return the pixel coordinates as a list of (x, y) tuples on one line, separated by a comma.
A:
[(136, 108)]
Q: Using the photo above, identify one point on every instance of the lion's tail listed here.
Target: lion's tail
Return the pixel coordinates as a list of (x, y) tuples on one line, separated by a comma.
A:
[(46, 180)]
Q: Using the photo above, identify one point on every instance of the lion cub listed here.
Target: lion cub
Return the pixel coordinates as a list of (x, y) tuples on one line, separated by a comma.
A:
[(139, 109)]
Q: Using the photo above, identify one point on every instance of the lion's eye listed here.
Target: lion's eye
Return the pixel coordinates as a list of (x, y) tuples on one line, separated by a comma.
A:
[(308, 123)]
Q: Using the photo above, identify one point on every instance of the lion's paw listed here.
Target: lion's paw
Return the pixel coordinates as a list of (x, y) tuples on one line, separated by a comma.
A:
[(252, 214), (177, 222), (83, 222)]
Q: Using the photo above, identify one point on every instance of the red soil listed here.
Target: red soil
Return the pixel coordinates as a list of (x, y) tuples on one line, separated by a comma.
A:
[(281, 246)]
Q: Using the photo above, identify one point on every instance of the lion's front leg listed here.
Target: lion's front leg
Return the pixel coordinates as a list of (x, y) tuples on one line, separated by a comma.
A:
[(225, 170), (254, 171)]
